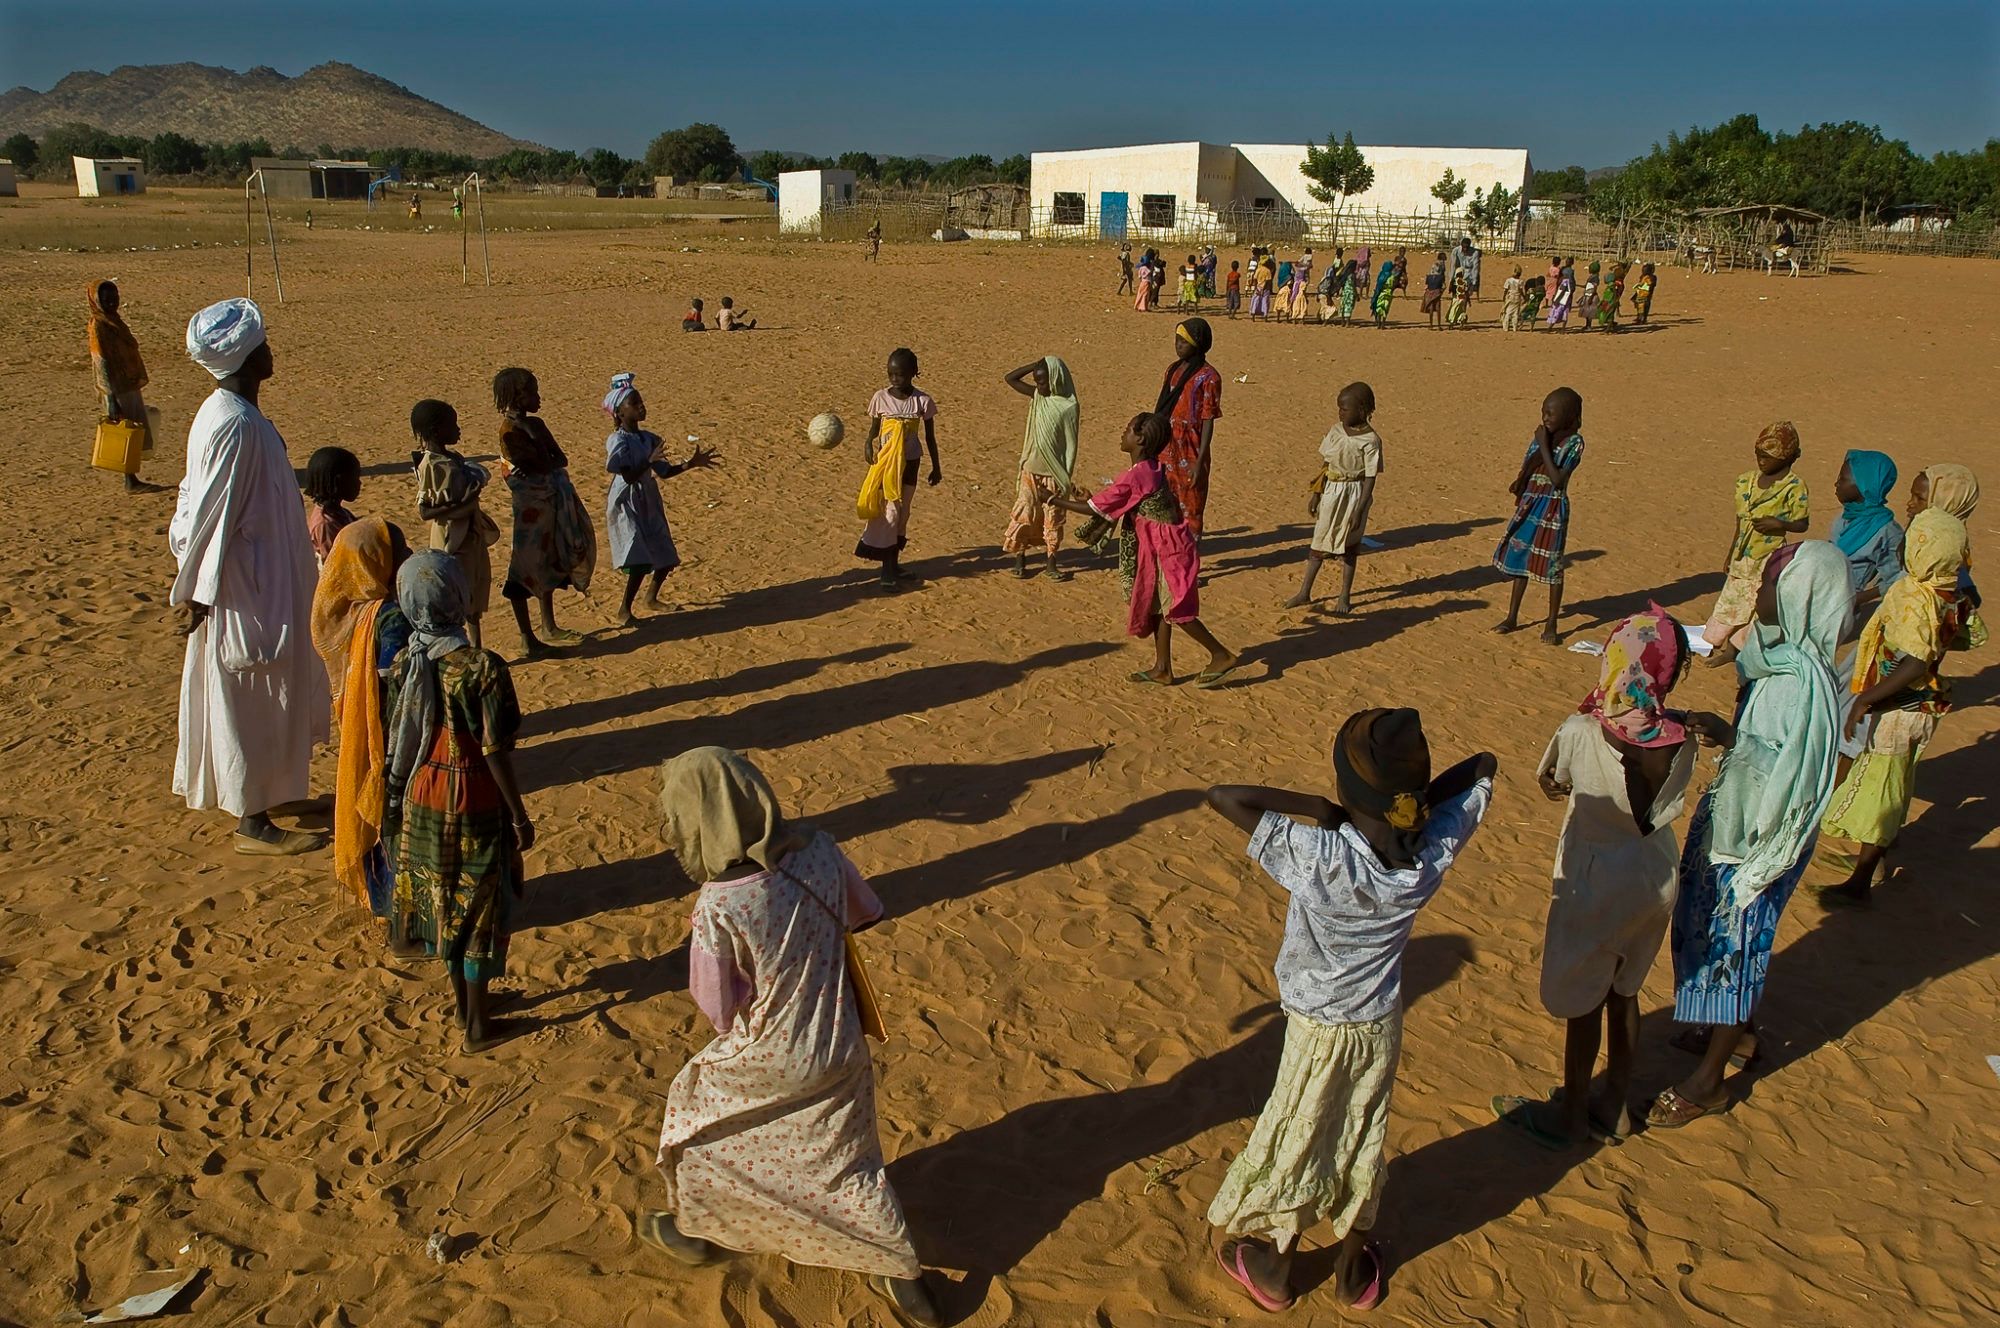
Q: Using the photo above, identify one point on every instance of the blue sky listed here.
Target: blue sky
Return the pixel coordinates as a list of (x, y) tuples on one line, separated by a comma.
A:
[(949, 78)]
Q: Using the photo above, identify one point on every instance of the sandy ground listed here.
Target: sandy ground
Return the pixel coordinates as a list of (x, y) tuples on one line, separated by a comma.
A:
[(208, 1052)]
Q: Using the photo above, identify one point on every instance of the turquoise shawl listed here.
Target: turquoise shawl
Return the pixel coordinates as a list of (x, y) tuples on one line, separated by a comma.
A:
[(1775, 783)]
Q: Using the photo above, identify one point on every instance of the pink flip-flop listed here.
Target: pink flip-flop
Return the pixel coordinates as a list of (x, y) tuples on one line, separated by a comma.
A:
[(1241, 1276), (1372, 1296)]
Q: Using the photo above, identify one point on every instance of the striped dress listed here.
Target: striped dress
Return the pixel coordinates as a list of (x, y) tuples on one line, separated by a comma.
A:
[(1533, 544)]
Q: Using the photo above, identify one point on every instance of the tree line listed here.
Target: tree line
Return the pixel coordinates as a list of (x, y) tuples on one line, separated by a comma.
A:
[(1847, 170), (701, 153)]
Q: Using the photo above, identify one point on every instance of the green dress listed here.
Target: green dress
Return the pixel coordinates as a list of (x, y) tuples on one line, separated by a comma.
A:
[(457, 868)]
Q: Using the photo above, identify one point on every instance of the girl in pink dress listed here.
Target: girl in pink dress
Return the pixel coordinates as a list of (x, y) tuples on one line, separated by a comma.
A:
[(1157, 555)]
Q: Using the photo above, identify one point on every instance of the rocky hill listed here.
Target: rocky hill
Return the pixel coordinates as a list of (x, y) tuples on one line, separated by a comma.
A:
[(331, 103)]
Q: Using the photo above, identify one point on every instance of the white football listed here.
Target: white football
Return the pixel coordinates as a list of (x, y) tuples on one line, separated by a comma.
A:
[(826, 430)]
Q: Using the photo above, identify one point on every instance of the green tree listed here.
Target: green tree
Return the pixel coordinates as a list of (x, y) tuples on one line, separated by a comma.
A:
[(1494, 212), (22, 151), (1335, 173), (863, 164), (906, 172), (607, 169), (171, 154), (699, 152), (1448, 190), (1556, 184), (1017, 169), (974, 168)]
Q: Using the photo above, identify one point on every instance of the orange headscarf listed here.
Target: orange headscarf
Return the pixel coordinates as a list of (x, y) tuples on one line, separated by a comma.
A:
[(114, 351), (360, 574)]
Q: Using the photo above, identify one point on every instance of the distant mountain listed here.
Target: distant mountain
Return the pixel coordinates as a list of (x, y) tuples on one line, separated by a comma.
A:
[(330, 103)]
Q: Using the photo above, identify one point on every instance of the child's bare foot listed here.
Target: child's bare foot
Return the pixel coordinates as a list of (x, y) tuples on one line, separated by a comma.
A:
[(1342, 608), (486, 1034), (628, 619), (1298, 601), (1550, 636), (1506, 626), (656, 604)]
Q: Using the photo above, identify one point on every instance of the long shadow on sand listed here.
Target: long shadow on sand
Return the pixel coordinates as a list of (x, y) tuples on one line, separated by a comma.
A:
[(782, 721), (1323, 637), (983, 866), (955, 793), (1605, 609), (1295, 537), (1936, 918), (758, 678), (986, 1197)]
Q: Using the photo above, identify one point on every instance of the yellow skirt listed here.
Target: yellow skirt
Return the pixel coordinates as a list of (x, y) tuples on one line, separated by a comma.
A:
[(1316, 1152), (1872, 803)]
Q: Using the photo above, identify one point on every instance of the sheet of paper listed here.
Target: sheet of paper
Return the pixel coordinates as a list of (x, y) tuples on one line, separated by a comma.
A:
[(149, 1294), (1700, 645)]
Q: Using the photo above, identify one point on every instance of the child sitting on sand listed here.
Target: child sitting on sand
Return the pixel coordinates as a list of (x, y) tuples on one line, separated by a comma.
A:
[(642, 545), (333, 479), (1157, 555), (731, 319), (448, 492), (1622, 763), (1532, 548), (1357, 873), (691, 321), (1342, 493), (894, 462)]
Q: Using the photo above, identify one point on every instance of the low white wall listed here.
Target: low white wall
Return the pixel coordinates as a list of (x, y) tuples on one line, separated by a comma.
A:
[(1403, 176)]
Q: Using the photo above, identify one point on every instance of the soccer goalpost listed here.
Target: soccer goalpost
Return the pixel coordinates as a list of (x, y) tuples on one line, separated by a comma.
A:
[(250, 239), (471, 184)]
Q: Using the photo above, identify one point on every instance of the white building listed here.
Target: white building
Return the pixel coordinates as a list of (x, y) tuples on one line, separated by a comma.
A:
[(1160, 189), (8, 187), (804, 195), (104, 177)]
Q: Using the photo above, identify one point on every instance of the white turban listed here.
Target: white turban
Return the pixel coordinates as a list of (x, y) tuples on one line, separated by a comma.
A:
[(221, 337)]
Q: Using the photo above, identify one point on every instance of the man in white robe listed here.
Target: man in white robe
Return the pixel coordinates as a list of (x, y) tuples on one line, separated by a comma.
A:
[(254, 696)]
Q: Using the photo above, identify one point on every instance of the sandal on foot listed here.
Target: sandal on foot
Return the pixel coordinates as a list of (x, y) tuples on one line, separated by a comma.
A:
[(658, 1230), (1146, 679), (1022, 573), (289, 844), (1518, 1113), (909, 1298), (1230, 1255), (1210, 679), (1371, 1296), (1059, 574), (1671, 1111)]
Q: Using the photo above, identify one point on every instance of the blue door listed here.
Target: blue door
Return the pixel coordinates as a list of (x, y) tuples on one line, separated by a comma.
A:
[(1111, 216)]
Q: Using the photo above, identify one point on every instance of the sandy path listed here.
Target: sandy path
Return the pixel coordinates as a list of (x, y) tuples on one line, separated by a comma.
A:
[(202, 1048)]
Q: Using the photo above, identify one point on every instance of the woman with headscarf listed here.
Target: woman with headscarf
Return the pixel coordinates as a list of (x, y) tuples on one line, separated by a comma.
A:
[(769, 1145), (1866, 529), (1048, 462), (635, 516), (358, 630), (1953, 489), (1771, 503), (454, 809), (1357, 873), (1753, 833), (115, 359), (554, 545), (1896, 680), (1191, 399), (1622, 763), (1387, 282)]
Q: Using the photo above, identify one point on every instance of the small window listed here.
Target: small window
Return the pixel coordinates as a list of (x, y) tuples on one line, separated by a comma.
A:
[(1264, 204), (1156, 210), (1069, 210)]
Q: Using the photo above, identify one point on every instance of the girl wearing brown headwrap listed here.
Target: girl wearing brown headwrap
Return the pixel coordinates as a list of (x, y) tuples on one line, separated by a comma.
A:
[(114, 357), (1771, 503), (1357, 873)]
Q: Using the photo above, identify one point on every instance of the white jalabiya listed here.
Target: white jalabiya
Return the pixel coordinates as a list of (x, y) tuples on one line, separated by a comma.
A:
[(254, 695)]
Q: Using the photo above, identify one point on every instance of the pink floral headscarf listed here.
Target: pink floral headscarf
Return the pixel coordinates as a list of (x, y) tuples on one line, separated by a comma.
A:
[(1642, 662)]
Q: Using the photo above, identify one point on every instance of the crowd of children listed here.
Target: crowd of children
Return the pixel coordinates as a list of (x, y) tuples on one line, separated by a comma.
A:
[(1283, 290), (430, 823)]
